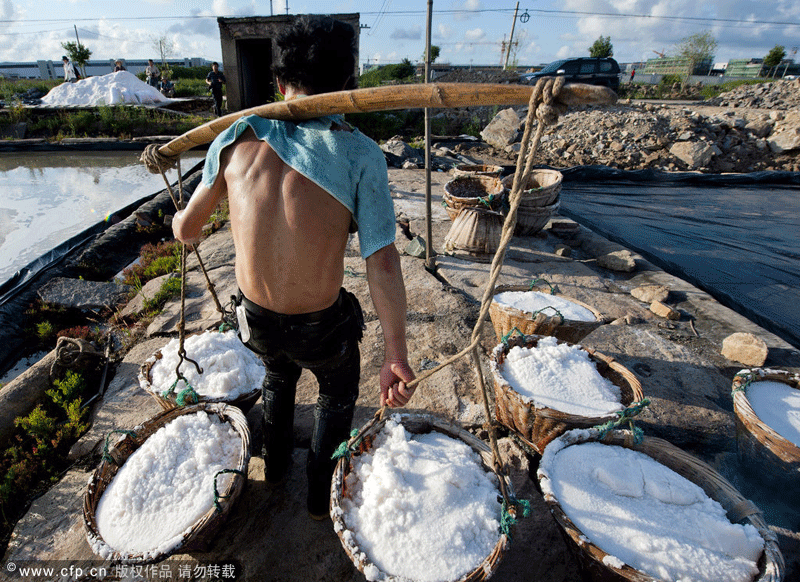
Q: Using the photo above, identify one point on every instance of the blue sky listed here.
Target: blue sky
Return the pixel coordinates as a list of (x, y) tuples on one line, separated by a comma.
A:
[(467, 31)]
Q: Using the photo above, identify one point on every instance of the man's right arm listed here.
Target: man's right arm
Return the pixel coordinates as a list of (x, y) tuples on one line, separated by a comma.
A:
[(187, 224)]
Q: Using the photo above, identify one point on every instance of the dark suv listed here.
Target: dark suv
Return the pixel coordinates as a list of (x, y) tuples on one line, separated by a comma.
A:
[(590, 70)]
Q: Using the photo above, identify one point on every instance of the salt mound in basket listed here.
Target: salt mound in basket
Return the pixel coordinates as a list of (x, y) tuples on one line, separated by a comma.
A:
[(168, 485), (544, 387), (231, 372), (767, 406), (418, 500), (537, 311), (649, 511)]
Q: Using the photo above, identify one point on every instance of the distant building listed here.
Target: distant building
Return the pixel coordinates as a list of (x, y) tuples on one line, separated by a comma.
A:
[(55, 69), (745, 68), (247, 54), (676, 66)]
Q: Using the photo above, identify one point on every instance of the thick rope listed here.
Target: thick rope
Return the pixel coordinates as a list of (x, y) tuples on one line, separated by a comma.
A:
[(106, 453), (626, 417), (217, 496)]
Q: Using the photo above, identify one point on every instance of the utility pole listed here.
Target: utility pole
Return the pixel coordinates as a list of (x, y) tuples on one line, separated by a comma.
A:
[(429, 265), (511, 38), (78, 47)]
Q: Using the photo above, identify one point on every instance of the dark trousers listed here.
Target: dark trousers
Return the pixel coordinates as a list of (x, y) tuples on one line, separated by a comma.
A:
[(326, 343), (217, 94)]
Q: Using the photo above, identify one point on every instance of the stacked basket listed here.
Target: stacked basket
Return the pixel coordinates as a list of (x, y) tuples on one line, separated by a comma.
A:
[(473, 204), (539, 201), (473, 191)]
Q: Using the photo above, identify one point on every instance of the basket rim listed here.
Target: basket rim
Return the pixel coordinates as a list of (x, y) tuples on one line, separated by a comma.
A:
[(433, 423), (771, 562), (599, 316), (595, 356), (782, 447), (97, 484)]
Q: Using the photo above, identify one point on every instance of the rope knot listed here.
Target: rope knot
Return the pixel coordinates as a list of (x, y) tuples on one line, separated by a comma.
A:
[(155, 161)]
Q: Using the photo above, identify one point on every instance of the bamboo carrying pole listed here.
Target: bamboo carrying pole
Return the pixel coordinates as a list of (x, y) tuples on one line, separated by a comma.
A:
[(419, 96)]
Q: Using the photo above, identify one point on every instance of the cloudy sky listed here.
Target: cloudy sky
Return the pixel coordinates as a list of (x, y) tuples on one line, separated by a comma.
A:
[(467, 31)]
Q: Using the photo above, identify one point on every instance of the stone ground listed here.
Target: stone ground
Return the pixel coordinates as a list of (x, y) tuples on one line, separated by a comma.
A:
[(269, 535)]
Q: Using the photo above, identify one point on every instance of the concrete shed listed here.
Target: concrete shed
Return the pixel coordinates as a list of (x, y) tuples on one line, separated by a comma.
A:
[(247, 53)]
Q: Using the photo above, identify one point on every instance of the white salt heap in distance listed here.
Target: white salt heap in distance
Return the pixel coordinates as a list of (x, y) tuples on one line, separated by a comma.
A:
[(118, 88), (533, 301), (230, 369), (647, 516), (778, 406), (167, 484), (561, 377), (422, 507)]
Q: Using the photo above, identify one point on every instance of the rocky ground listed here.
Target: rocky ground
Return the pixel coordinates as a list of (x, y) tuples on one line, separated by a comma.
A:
[(753, 128)]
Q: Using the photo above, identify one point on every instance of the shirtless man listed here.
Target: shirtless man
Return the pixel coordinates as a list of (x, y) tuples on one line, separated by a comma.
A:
[(295, 192)]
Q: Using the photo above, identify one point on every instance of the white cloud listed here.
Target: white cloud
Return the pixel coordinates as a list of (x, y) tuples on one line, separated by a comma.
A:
[(414, 33), (474, 35)]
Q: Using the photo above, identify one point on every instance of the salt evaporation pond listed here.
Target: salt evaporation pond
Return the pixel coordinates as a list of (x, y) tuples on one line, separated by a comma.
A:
[(49, 197)]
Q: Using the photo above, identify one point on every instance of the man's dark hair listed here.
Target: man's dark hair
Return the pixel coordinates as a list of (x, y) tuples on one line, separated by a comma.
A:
[(317, 54)]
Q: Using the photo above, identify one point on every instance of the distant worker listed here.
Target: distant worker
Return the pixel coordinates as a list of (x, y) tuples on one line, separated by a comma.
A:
[(166, 87), (151, 73), (633, 72), (215, 79), (118, 66), (70, 74)]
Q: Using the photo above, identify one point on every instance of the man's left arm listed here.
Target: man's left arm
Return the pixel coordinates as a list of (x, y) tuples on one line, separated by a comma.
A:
[(385, 278)]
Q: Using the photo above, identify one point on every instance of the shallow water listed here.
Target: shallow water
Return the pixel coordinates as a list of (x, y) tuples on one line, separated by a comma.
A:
[(737, 242), (48, 197)]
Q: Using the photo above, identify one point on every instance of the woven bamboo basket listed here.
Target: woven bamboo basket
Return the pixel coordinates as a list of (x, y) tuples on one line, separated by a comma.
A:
[(532, 219), (537, 426), (739, 510), (202, 532), (478, 170), (472, 191), (542, 189), (505, 318), (417, 424), (169, 400), (474, 235), (775, 458)]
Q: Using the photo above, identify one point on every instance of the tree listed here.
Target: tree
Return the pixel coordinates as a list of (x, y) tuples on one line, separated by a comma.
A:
[(774, 58), (695, 49), (435, 50), (165, 48), (602, 47), (77, 53)]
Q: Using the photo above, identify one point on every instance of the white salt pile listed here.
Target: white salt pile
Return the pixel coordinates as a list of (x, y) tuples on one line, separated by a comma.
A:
[(111, 89), (421, 508), (778, 406), (532, 301), (167, 484), (647, 516), (229, 368), (561, 377)]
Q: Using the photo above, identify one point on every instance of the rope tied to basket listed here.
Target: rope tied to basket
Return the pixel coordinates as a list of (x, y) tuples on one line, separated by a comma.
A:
[(345, 449), (217, 495), (511, 507), (185, 396), (553, 288), (626, 417), (106, 453), (742, 381)]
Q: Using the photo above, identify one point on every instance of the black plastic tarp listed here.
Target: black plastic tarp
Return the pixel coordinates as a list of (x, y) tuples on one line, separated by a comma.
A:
[(734, 236)]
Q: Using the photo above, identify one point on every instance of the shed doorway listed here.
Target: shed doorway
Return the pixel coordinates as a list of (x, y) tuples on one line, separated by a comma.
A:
[(255, 78)]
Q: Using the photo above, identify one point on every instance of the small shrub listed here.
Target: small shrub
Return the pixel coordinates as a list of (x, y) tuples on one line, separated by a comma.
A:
[(38, 425), (169, 288), (45, 330)]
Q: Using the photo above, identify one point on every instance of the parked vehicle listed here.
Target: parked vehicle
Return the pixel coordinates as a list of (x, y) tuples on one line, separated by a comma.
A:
[(590, 70)]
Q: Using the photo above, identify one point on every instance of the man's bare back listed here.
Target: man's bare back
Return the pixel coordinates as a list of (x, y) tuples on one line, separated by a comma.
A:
[(296, 264)]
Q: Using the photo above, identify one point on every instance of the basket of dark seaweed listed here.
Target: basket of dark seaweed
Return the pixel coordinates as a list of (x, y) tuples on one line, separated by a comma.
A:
[(484, 192)]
